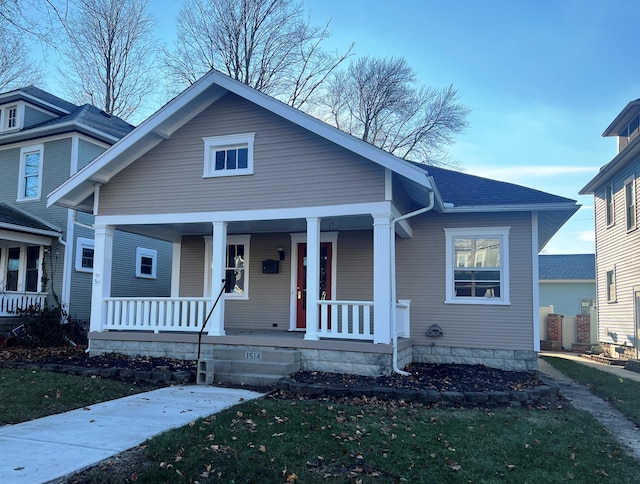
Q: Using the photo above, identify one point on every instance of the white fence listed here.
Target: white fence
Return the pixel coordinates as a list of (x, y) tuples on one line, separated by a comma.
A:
[(157, 314), (11, 302)]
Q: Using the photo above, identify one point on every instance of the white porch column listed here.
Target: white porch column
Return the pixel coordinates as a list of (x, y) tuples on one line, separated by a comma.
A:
[(382, 278), (102, 261), (313, 277), (218, 266)]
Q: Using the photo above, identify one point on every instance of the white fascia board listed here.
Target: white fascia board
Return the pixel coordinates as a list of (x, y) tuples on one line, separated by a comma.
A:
[(20, 233), (36, 132), (247, 215), (512, 208), (628, 154)]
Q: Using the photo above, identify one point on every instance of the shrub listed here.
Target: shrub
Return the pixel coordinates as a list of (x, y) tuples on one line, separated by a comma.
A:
[(48, 326)]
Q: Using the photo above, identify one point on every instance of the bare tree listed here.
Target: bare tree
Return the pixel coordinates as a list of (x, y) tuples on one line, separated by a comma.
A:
[(108, 54), (379, 100), (266, 44), (16, 69)]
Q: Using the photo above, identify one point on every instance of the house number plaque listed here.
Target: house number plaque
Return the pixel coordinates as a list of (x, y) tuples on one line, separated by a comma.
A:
[(253, 355)]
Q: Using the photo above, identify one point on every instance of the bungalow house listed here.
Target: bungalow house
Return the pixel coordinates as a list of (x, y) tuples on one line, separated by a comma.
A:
[(615, 189), (46, 253), (319, 244)]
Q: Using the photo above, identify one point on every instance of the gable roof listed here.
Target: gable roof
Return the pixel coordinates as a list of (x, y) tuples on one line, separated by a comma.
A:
[(86, 119), (454, 191), (12, 218), (567, 267)]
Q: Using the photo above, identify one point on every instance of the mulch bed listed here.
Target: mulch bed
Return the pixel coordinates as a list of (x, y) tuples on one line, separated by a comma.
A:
[(427, 383)]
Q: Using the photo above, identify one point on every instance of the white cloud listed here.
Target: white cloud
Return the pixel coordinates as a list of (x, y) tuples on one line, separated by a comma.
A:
[(587, 236)]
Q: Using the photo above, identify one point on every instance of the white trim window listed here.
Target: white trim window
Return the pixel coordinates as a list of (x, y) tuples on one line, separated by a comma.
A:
[(21, 268), (609, 201), (237, 267), (30, 182), (630, 203), (477, 265), (84, 254), (146, 263), (228, 155), (10, 117), (611, 285)]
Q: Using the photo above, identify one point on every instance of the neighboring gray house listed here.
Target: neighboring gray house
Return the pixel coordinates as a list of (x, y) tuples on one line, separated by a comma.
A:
[(568, 283), (339, 252), (615, 190), (46, 253)]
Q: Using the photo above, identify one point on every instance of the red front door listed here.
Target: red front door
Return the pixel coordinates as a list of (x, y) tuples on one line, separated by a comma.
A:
[(325, 280)]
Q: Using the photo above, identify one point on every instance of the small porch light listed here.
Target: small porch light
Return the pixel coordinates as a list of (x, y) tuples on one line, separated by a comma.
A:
[(281, 252)]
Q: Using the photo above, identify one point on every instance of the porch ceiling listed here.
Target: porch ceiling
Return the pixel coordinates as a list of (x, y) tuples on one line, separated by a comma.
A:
[(174, 232)]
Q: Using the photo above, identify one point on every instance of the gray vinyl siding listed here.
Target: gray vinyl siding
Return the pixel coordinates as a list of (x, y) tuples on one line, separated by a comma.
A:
[(354, 278), (87, 152), (292, 168), (619, 249), (124, 280), (421, 278), (9, 167), (35, 116), (565, 296)]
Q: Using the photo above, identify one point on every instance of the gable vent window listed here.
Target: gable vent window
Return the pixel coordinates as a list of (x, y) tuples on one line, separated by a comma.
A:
[(228, 155), (9, 118)]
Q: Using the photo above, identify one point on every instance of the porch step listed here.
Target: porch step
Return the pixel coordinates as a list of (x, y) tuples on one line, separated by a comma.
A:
[(253, 366)]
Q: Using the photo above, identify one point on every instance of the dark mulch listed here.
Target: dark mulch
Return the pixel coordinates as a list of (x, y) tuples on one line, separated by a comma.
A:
[(422, 376), (436, 377), (77, 356)]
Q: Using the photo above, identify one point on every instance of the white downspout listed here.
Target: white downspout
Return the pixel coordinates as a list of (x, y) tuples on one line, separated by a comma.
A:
[(394, 329)]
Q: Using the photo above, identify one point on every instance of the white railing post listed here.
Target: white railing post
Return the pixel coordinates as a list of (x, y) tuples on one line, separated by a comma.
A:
[(403, 318)]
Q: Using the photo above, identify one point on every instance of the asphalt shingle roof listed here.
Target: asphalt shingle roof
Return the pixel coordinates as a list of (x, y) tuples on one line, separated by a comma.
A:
[(567, 267), (463, 189), (12, 216)]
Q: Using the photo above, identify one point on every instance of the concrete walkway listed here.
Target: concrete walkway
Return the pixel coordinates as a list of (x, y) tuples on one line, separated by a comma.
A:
[(583, 399), (52, 447)]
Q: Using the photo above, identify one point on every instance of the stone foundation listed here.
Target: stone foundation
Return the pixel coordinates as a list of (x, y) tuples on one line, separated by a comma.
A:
[(502, 359), (618, 351), (159, 349)]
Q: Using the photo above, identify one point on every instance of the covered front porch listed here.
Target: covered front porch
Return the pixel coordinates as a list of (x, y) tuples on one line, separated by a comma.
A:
[(326, 277)]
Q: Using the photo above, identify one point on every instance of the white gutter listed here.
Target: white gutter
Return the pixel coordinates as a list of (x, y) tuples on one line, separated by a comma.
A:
[(394, 329)]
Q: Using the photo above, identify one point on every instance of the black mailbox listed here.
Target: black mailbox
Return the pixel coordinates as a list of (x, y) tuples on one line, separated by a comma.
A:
[(270, 266)]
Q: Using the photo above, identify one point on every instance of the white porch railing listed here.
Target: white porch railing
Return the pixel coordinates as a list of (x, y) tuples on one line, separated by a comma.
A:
[(346, 319), (157, 314), (11, 302)]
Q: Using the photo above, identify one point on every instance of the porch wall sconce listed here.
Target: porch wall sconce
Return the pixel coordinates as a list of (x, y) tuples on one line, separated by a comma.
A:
[(281, 252)]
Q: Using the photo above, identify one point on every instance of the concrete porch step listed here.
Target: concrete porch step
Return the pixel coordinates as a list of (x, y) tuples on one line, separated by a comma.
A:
[(253, 366)]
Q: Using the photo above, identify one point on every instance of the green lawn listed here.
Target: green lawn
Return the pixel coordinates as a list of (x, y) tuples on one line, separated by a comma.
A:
[(29, 394), (622, 393)]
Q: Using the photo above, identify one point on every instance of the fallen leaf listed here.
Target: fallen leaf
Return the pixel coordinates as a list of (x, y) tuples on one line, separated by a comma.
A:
[(512, 467), (262, 448), (292, 477)]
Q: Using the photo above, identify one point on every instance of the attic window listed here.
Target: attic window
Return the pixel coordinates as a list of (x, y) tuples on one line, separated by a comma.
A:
[(228, 155), (9, 118)]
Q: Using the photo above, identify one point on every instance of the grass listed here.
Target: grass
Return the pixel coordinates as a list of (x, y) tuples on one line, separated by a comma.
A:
[(623, 394), (30, 394), (271, 441)]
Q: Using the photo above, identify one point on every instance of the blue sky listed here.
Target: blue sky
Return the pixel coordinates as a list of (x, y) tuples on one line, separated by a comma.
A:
[(543, 78)]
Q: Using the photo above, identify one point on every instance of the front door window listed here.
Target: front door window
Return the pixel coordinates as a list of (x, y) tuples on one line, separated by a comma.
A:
[(325, 280)]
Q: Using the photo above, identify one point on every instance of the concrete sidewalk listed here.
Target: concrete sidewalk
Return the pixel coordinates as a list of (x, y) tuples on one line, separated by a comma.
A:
[(59, 445)]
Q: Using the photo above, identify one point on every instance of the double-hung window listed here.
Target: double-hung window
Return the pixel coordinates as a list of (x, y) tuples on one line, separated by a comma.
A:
[(610, 205), (477, 265), (20, 268), (228, 155), (611, 285), (237, 267), (630, 203), (30, 182)]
